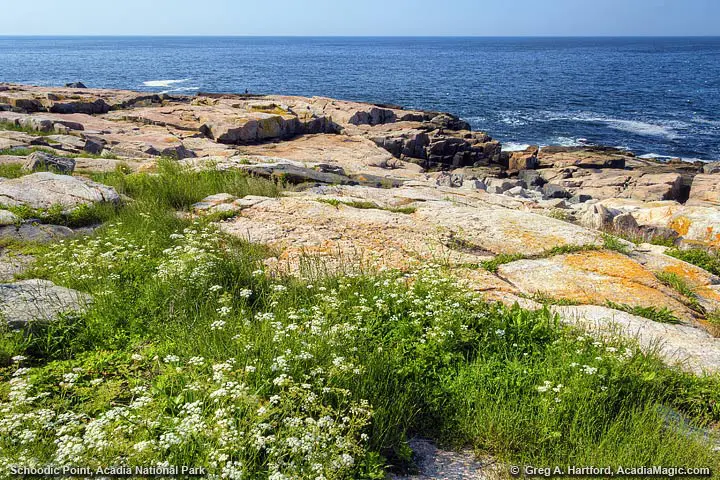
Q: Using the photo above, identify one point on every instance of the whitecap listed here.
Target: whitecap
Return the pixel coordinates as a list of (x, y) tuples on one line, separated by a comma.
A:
[(567, 142), (163, 83), (661, 128), (665, 158), (514, 147)]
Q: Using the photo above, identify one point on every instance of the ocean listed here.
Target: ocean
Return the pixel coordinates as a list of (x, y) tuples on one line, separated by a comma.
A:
[(659, 97)]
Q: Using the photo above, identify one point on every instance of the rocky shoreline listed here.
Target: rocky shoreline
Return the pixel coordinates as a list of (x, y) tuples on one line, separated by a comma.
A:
[(392, 188)]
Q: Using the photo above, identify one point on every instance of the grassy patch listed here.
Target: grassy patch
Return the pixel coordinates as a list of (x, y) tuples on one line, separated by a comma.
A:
[(611, 242), (12, 170), (81, 216), (662, 315), (494, 264), (18, 128), (679, 284), (707, 260), (568, 249), (547, 299), (24, 152), (558, 214), (363, 205), (178, 187)]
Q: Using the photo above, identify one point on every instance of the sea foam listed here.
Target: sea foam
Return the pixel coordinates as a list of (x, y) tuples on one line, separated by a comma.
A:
[(163, 83)]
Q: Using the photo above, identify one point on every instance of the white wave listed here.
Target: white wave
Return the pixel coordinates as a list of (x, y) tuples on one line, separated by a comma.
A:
[(514, 147), (567, 142), (665, 158), (663, 128), (163, 83), (640, 128)]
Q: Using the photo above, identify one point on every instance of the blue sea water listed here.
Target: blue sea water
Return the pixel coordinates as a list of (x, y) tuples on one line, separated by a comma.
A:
[(654, 96)]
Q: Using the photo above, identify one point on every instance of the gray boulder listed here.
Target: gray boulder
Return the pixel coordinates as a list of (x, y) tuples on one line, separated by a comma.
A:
[(27, 301), (32, 232), (597, 216), (500, 185), (45, 189), (447, 179), (75, 85), (531, 178), (45, 161), (551, 190), (94, 145), (625, 222), (575, 199)]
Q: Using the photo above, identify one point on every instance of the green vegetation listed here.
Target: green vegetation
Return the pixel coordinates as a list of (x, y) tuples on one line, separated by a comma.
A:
[(662, 315), (176, 187), (81, 216), (558, 214), (192, 353), (680, 285), (24, 152), (18, 128), (493, 265), (611, 242), (546, 299), (11, 170), (367, 206), (568, 249), (708, 260)]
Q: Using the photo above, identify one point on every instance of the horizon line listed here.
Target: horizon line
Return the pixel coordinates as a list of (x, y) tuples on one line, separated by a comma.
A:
[(136, 35)]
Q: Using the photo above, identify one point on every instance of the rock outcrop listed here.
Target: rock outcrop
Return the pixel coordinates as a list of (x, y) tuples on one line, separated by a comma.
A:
[(44, 190), (28, 301)]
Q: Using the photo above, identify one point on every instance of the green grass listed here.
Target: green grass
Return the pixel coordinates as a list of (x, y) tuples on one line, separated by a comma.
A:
[(547, 299), (494, 264), (193, 353), (24, 152), (178, 188), (11, 170), (18, 128), (81, 216), (662, 315), (568, 249), (611, 242), (364, 205), (708, 260), (680, 285)]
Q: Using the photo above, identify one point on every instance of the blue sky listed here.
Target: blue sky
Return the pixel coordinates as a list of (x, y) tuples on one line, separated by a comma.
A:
[(360, 17)]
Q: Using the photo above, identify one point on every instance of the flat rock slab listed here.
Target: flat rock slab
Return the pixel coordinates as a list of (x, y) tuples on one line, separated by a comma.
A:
[(431, 230), (45, 189), (693, 348), (37, 301), (30, 232), (593, 277), (438, 464)]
